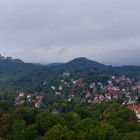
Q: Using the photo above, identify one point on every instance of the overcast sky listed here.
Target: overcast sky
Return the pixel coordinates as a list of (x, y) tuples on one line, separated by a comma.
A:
[(47, 31)]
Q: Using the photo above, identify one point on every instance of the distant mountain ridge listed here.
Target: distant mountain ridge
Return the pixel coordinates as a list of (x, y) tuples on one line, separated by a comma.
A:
[(54, 64), (17, 70), (84, 62), (79, 63)]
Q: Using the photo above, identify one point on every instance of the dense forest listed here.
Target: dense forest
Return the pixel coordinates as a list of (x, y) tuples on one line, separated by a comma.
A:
[(108, 121)]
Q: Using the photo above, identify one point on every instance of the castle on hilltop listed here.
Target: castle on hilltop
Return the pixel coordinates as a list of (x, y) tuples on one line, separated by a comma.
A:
[(2, 57)]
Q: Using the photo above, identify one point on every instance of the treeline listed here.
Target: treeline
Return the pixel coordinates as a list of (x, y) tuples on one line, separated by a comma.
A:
[(108, 121)]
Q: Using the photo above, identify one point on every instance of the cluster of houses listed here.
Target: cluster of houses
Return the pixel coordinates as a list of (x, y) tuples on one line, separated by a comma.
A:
[(29, 99), (116, 88), (106, 93)]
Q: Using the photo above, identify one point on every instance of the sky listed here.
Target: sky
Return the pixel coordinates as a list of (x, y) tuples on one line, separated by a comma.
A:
[(46, 31)]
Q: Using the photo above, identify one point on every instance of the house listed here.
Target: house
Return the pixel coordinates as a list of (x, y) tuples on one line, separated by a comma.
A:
[(108, 96), (75, 82), (69, 100), (101, 97), (92, 86), (62, 81), (113, 77), (57, 93), (22, 94), (53, 87), (88, 95), (60, 88), (109, 82), (99, 84), (115, 95), (96, 100), (66, 74), (123, 90), (136, 109), (40, 97), (45, 83), (21, 102), (29, 96), (17, 99), (116, 88), (89, 101), (37, 104), (127, 98)]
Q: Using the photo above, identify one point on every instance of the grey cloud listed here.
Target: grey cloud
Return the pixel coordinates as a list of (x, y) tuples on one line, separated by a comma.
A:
[(59, 30)]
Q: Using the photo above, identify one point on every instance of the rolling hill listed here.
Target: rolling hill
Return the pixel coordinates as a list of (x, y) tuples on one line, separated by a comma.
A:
[(20, 72)]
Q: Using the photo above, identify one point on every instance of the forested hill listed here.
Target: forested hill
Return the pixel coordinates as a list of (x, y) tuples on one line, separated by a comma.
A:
[(17, 70)]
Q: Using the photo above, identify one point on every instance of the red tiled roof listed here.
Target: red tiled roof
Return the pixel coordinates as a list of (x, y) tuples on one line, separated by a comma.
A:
[(135, 108), (88, 94)]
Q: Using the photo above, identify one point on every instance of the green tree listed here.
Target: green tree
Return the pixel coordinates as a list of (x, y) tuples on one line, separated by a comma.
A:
[(47, 120), (85, 124), (21, 132), (4, 104), (72, 118), (104, 131), (30, 133), (6, 121), (18, 130), (132, 136), (59, 132)]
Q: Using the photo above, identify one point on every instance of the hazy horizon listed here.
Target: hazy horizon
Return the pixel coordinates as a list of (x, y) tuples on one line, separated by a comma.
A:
[(63, 62), (59, 31)]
